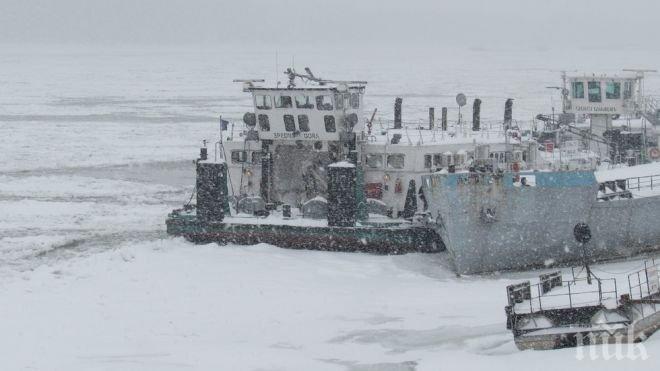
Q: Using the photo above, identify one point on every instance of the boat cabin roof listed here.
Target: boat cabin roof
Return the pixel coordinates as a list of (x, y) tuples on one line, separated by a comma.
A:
[(334, 89)]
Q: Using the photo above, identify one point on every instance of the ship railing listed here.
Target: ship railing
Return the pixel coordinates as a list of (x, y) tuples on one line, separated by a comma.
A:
[(418, 132), (643, 182), (622, 188), (534, 298), (487, 124), (644, 284), (570, 159)]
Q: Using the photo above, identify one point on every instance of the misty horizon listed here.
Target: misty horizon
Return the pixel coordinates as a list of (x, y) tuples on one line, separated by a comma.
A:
[(507, 24)]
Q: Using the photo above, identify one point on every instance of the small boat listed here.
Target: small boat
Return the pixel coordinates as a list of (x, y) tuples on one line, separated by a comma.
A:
[(556, 313)]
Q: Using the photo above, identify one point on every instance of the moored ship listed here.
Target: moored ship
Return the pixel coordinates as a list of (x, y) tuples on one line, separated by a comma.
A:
[(306, 169), (497, 220)]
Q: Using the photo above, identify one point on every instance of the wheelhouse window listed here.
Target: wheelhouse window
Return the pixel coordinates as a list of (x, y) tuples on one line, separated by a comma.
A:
[(627, 90), (428, 161), (499, 157), (578, 89), (347, 101), (594, 91), (303, 122), (289, 123), (437, 159), (374, 161), (355, 100), (330, 126), (256, 157), (283, 101), (238, 156), (339, 101), (396, 161), (263, 102), (264, 123), (304, 101), (613, 90), (447, 159), (324, 103)]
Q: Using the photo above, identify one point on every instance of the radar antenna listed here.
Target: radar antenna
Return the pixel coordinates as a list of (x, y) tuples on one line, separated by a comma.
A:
[(309, 76)]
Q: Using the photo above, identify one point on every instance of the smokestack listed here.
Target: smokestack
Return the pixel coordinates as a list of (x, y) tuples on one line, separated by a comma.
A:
[(508, 113), (476, 115), (444, 118), (431, 118), (397, 113)]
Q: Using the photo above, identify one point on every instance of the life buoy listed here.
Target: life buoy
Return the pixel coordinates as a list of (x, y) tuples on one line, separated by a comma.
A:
[(654, 152)]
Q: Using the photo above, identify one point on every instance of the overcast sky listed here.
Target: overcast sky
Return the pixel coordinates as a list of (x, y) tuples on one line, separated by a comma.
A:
[(480, 23)]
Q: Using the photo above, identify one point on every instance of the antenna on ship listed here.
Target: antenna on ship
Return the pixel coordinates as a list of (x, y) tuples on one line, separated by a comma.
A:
[(309, 76), (461, 100), (277, 68), (552, 103)]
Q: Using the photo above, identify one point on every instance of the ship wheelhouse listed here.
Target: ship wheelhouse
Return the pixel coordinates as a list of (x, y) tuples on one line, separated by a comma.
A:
[(307, 113), (613, 95), (297, 132)]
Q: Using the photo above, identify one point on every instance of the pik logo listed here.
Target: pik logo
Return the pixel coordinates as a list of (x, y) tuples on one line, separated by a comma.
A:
[(611, 343)]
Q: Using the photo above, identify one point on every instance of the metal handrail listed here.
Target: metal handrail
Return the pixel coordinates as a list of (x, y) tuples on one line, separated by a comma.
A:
[(537, 297), (641, 285), (494, 123), (633, 184), (643, 182)]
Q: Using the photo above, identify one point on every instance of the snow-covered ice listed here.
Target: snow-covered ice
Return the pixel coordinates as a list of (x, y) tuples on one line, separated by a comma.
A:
[(164, 304)]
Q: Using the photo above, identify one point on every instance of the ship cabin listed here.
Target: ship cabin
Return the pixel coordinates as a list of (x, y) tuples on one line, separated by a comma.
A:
[(602, 95), (610, 103), (319, 113), (296, 132), (300, 128), (391, 166)]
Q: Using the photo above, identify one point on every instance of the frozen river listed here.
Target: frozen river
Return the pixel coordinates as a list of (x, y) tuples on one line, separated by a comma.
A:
[(96, 147)]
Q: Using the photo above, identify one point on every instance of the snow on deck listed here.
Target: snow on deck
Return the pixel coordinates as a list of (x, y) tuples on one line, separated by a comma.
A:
[(344, 164), (581, 294), (455, 135), (628, 172), (297, 219)]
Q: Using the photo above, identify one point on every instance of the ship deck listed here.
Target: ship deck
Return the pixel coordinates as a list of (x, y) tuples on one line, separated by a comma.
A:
[(380, 235)]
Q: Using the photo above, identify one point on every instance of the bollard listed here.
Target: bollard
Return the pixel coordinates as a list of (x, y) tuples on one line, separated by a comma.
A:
[(397, 113), (342, 204), (476, 115)]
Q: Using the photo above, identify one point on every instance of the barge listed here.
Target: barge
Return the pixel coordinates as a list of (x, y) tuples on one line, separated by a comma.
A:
[(556, 313)]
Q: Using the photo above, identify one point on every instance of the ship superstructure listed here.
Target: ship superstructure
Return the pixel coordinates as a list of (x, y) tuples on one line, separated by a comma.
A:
[(309, 168), (296, 131), (516, 218)]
